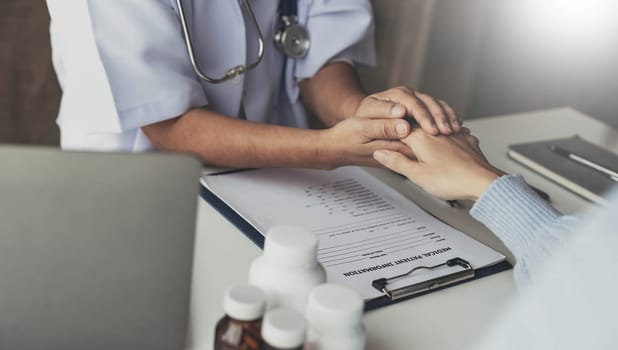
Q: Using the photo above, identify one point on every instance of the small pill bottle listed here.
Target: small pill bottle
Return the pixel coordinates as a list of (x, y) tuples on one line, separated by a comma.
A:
[(283, 329), (335, 318), (240, 328)]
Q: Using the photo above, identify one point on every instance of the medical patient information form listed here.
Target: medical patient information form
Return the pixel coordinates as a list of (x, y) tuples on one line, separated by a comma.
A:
[(366, 229)]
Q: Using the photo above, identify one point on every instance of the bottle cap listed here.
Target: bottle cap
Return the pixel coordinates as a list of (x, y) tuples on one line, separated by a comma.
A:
[(244, 302), (284, 328), (332, 306), (291, 245)]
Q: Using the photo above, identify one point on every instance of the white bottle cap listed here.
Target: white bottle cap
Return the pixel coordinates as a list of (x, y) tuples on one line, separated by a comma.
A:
[(291, 245), (284, 328), (332, 307), (244, 302)]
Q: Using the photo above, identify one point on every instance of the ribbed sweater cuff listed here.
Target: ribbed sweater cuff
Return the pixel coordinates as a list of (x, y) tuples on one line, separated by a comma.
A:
[(514, 212)]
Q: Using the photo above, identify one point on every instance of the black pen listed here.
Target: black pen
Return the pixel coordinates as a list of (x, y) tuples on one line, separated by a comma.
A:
[(585, 162)]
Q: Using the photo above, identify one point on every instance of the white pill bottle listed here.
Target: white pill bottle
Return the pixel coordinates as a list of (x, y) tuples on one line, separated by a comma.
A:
[(288, 268), (335, 318), (283, 329)]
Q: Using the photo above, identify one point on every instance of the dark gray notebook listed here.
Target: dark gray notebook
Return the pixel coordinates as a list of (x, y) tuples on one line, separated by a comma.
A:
[(579, 178)]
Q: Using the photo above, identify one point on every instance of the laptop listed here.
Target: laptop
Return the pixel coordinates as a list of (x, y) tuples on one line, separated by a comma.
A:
[(96, 249)]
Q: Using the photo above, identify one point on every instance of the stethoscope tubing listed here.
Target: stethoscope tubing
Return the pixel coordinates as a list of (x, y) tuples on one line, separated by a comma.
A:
[(232, 72)]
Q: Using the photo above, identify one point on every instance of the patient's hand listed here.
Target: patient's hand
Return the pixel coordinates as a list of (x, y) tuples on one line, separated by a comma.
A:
[(449, 167)]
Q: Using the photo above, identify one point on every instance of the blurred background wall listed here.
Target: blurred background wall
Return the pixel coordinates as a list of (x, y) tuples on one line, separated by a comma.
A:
[(29, 92), (490, 57), (486, 57)]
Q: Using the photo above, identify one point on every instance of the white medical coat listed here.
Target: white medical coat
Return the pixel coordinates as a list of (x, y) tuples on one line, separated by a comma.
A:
[(123, 64)]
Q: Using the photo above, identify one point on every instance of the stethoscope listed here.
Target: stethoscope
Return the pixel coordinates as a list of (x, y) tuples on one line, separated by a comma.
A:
[(291, 38)]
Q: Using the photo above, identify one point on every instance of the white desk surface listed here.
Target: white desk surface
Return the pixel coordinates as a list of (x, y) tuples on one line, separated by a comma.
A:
[(450, 319)]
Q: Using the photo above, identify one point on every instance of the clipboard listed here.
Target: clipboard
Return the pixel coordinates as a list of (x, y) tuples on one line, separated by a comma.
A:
[(463, 271)]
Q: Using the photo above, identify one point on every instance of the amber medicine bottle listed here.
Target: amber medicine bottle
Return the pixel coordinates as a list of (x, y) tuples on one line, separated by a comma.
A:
[(240, 328)]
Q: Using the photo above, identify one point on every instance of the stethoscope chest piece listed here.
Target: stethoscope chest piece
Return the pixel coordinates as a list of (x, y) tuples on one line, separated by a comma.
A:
[(293, 39)]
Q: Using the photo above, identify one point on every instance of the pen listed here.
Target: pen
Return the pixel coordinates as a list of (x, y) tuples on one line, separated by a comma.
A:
[(586, 162)]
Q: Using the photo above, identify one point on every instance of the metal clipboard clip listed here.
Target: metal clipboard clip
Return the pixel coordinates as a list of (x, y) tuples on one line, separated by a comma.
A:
[(402, 292)]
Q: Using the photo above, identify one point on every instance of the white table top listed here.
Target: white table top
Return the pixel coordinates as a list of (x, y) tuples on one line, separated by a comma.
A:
[(449, 319)]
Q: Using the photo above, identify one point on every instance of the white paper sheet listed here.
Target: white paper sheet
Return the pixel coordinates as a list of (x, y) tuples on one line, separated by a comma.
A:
[(367, 230)]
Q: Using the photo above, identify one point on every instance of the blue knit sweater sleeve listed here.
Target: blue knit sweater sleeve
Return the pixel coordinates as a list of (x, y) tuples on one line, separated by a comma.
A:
[(529, 226)]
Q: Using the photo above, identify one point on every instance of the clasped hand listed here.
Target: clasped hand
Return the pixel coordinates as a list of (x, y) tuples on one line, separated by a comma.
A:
[(449, 167), (378, 124), (441, 156)]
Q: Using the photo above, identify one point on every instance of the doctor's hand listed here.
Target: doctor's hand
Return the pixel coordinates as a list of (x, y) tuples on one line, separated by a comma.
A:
[(353, 141), (434, 116), (449, 167)]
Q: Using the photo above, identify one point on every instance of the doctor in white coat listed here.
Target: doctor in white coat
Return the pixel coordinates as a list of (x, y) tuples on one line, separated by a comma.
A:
[(129, 84)]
